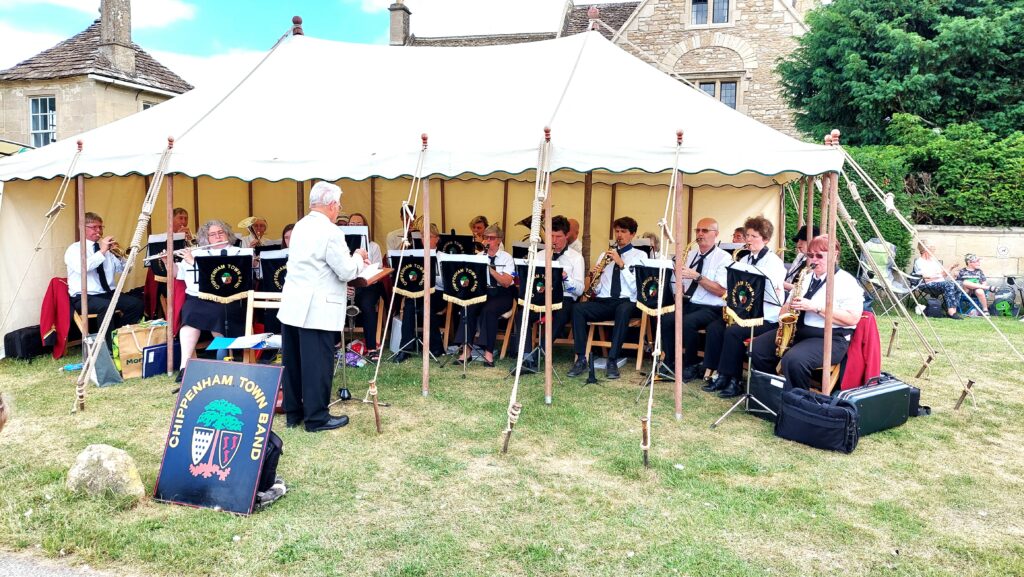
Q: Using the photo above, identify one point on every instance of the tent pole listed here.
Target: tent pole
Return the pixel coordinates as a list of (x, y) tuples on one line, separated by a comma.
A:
[(548, 317), (444, 221), (428, 282), (195, 199), (803, 199), (504, 213), (611, 217), (252, 208), (689, 217), (588, 197), (781, 237), (298, 200), (80, 196), (680, 260), (810, 207), (169, 267), (829, 193)]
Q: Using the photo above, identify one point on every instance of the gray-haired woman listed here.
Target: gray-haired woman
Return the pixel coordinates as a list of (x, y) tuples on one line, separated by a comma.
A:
[(500, 294)]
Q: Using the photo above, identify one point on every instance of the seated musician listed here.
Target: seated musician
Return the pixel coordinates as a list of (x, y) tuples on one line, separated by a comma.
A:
[(738, 235), (199, 315), (477, 226), (412, 316), (180, 224), (101, 264), (574, 233), (702, 295), (614, 298), (500, 294), (934, 281), (257, 231), (270, 322), (394, 238), (726, 345), (573, 270), (807, 351), (366, 298), (799, 261)]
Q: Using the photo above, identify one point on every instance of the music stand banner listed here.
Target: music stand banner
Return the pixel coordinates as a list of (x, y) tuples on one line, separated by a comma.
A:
[(744, 297), (158, 243), (274, 266), (407, 279), (538, 285), (225, 278), (218, 435), (650, 297), (356, 237), (455, 244), (465, 279)]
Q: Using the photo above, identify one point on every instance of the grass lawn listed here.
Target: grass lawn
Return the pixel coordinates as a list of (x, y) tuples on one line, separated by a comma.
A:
[(940, 496)]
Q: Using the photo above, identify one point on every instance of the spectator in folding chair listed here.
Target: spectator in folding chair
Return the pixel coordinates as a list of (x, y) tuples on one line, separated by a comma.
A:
[(934, 281), (972, 278)]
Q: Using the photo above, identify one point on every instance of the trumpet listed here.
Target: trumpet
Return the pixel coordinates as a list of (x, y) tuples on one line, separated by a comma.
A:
[(787, 322), (114, 249)]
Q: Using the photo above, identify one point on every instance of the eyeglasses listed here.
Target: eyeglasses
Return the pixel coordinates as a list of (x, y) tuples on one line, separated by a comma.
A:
[(817, 255), (490, 237), (216, 233), (94, 226), (704, 230)]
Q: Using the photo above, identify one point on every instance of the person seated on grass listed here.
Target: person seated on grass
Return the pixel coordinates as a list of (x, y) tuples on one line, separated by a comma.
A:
[(934, 281), (972, 278)]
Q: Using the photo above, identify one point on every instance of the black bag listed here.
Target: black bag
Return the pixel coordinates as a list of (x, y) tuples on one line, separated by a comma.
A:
[(268, 474), (767, 389), (818, 421), (933, 308), (24, 343)]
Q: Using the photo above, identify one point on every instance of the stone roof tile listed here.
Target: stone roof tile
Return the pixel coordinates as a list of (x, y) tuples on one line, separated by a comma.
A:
[(614, 15)]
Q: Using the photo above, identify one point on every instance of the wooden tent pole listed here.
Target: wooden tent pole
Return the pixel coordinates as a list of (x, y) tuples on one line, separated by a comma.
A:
[(680, 261), (548, 317), (829, 191), (803, 199), (428, 282), (82, 240), (169, 268), (588, 197)]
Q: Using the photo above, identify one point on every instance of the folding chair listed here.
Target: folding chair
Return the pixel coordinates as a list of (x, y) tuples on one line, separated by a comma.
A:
[(258, 300), (901, 284)]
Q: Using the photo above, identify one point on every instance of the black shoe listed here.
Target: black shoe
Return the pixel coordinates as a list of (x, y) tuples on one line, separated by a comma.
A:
[(330, 425), (489, 364), (292, 425), (612, 369), (578, 368), (400, 357), (692, 372), (734, 389), (956, 316), (716, 384), (175, 390), (180, 375)]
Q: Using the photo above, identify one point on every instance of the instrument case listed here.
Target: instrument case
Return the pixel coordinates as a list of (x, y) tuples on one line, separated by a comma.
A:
[(883, 403), (766, 388), (24, 343), (818, 421)]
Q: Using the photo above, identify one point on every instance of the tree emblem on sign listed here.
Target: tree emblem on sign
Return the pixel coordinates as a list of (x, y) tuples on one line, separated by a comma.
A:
[(215, 439)]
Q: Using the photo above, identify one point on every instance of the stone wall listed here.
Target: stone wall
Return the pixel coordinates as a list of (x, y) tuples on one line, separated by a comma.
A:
[(1001, 249), (82, 105), (746, 49)]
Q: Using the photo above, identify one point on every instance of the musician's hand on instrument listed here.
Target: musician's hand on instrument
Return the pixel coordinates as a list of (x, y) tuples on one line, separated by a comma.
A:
[(689, 273), (351, 291), (616, 258), (186, 255)]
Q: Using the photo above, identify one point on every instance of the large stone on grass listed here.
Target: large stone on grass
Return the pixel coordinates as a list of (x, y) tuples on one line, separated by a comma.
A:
[(100, 469)]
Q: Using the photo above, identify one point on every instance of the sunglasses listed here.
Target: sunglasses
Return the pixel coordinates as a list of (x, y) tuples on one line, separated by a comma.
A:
[(817, 255), (704, 230)]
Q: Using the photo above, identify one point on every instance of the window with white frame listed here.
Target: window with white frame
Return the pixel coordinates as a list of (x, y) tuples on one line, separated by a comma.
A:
[(703, 12), (724, 90), (43, 120)]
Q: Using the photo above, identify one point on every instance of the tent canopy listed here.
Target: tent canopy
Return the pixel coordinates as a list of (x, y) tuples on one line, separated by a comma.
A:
[(317, 109)]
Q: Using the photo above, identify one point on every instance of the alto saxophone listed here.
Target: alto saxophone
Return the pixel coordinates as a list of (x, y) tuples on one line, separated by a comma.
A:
[(726, 317), (590, 290), (787, 322)]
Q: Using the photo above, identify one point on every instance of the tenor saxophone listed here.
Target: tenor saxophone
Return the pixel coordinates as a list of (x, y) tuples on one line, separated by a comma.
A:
[(787, 322), (590, 290)]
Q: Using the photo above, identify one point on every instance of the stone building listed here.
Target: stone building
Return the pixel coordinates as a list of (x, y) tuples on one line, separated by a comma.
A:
[(91, 79), (727, 48)]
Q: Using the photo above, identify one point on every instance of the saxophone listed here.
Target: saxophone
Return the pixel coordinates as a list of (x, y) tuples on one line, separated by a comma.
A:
[(787, 322), (590, 290), (726, 317)]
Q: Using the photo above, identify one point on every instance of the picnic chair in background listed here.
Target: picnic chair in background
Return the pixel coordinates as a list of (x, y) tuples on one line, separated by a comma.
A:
[(881, 253)]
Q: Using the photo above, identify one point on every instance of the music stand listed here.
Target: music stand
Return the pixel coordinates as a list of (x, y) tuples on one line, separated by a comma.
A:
[(521, 250), (465, 279), (408, 282), (655, 301), (535, 301), (156, 244), (456, 244), (224, 278), (356, 237), (744, 303)]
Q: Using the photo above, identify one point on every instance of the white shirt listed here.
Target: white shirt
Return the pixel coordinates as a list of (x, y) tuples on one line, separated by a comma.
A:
[(928, 269), (374, 253), (246, 241), (627, 287), (187, 272), (775, 270), (573, 271), (95, 261), (714, 267), (795, 266), (577, 246), (503, 263), (849, 296)]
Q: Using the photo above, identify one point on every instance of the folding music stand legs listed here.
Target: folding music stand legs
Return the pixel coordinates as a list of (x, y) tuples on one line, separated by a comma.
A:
[(416, 343), (468, 341), (746, 397)]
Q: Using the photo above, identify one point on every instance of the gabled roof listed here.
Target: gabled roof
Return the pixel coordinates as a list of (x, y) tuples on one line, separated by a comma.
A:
[(481, 39), (80, 55), (614, 15)]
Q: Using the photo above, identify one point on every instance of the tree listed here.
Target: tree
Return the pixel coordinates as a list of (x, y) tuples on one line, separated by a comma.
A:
[(945, 61)]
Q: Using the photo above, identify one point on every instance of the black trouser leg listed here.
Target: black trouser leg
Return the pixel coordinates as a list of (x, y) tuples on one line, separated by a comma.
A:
[(807, 355), (668, 337), (496, 305), (734, 350), (696, 317), (714, 335), (762, 352), (291, 359), (366, 299), (590, 311), (623, 312)]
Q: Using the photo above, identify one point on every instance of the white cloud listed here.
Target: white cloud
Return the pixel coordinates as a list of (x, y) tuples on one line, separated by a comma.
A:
[(146, 14), (18, 45)]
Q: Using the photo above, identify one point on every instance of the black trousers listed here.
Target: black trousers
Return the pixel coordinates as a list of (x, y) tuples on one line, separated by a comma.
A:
[(366, 299), (725, 350), (308, 356), (412, 316), (485, 315), (602, 309), (131, 309), (695, 318), (802, 358), (559, 320)]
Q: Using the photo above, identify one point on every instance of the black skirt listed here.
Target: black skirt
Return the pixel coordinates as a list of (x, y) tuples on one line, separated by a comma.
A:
[(211, 316)]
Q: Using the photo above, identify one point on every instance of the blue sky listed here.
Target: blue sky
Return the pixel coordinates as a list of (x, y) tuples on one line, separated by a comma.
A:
[(199, 38)]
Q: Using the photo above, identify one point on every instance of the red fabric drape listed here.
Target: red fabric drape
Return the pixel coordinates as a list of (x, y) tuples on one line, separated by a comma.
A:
[(864, 358), (55, 315)]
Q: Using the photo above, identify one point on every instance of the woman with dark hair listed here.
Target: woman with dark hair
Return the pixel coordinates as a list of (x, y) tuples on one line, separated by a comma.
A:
[(500, 294), (199, 315), (807, 352), (366, 298), (286, 235)]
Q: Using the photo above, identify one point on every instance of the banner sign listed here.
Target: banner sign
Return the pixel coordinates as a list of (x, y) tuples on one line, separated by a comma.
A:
[(218, 435)]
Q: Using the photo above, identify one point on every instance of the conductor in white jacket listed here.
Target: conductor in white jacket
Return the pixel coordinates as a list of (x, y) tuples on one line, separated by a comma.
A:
[(313, 309)]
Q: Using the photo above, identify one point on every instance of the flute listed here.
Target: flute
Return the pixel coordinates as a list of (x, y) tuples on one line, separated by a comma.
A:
[(179, 252)]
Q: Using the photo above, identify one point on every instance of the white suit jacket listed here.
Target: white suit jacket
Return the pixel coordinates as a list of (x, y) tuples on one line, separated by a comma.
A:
[(319, 266)]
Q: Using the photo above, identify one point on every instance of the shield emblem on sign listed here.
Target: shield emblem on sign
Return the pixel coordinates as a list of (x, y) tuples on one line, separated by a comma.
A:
[(201, 439), (229, 442)]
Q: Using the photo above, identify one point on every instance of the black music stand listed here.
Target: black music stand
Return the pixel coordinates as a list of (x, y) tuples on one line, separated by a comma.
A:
[(356, 237), (157, 244), (465, 279), (537, 286), (744, 303), (655, 301), (224, 278), (407, 281), (456, 244)]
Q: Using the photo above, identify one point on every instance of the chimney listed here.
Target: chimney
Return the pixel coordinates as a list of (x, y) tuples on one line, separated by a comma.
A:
[(399, 23), (116, 34)]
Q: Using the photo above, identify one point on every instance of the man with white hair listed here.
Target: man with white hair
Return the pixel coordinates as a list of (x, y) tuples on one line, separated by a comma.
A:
[(313, 302)]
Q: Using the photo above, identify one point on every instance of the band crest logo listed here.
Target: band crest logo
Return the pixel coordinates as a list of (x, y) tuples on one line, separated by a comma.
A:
[(411, 274), (650, 290), (226, 275), (215, 440), (741, 297), (466, 279), (452, 247)]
